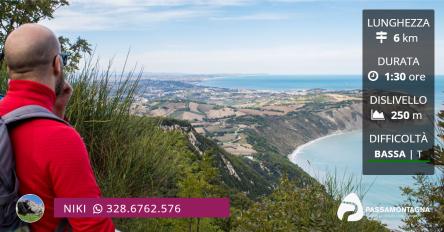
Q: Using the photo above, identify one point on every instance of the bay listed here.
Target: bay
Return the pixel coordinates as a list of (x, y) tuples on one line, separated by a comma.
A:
[(344, 159), (341, 152)]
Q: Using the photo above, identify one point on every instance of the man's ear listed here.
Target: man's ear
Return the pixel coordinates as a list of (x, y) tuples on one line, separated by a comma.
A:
[(57, 66)]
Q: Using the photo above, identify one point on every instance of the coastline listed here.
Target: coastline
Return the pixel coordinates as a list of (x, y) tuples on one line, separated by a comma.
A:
[(292, 156)]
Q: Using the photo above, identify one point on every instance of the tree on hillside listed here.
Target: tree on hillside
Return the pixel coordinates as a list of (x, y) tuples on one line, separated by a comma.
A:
[(428, 192), (75, 49), (14, 13), (438, 157), (198, 183)]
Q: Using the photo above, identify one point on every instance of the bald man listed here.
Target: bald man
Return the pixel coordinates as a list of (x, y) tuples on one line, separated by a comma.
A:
[(51, 158)]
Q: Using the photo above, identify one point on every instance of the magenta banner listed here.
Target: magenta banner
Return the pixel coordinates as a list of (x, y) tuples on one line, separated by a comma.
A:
[(142, 207)]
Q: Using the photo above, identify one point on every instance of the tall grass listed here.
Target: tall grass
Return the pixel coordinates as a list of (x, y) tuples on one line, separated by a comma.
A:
[(339, 185), (131, 155)]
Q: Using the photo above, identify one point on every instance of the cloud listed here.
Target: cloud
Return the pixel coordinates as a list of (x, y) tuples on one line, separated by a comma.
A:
[(303, 59), (328, 57), (307, 58), (258, 16), (71, 20), (145, 3), (87, 15)]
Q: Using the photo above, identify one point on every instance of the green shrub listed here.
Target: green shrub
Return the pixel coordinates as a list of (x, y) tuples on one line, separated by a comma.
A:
[(290, 208), (427, 192)]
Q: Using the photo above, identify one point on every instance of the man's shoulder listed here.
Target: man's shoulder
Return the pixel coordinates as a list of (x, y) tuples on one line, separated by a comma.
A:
[(57, 137), (52, 128), (51, 139)]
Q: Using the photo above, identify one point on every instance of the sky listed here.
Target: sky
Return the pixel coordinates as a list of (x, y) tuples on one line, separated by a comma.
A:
[(231, 36)]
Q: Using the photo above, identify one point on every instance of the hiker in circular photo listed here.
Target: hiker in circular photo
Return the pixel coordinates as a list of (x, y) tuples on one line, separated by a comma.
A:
[(30, 208)]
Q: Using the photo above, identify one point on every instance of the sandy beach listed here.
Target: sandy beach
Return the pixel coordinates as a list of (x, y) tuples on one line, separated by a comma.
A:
[(292, 156)]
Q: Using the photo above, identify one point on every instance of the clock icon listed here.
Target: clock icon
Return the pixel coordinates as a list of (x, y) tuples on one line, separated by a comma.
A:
[(373, 75)]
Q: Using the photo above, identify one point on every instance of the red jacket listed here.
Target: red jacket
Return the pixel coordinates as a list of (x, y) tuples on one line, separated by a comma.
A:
[(51, 158)]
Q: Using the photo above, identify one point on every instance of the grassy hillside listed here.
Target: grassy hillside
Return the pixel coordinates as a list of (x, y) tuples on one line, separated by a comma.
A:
[(254, 177), (284, 133), (144, 157)]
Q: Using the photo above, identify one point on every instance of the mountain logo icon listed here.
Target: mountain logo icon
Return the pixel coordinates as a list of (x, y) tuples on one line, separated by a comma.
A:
[(376, 115), (351, 203)]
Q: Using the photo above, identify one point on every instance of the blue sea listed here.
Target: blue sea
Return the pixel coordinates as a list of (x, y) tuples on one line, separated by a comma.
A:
[(344, 154), (344, 158), (286, 82)]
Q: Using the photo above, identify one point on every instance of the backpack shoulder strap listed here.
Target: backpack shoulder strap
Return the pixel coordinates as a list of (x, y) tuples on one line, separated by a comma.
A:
[(30, 112), (63, 226)]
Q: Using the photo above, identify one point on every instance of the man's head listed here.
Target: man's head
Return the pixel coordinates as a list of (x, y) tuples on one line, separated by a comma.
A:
[(32, 52)]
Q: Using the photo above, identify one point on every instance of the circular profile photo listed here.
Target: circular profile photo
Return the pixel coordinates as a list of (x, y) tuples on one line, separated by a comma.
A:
[(30, 208)]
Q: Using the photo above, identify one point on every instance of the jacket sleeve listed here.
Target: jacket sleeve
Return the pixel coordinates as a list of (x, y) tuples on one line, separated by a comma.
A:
[(72, 176)]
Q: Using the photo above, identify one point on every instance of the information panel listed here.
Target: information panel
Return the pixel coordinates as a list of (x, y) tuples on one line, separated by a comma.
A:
[(398, 92)]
